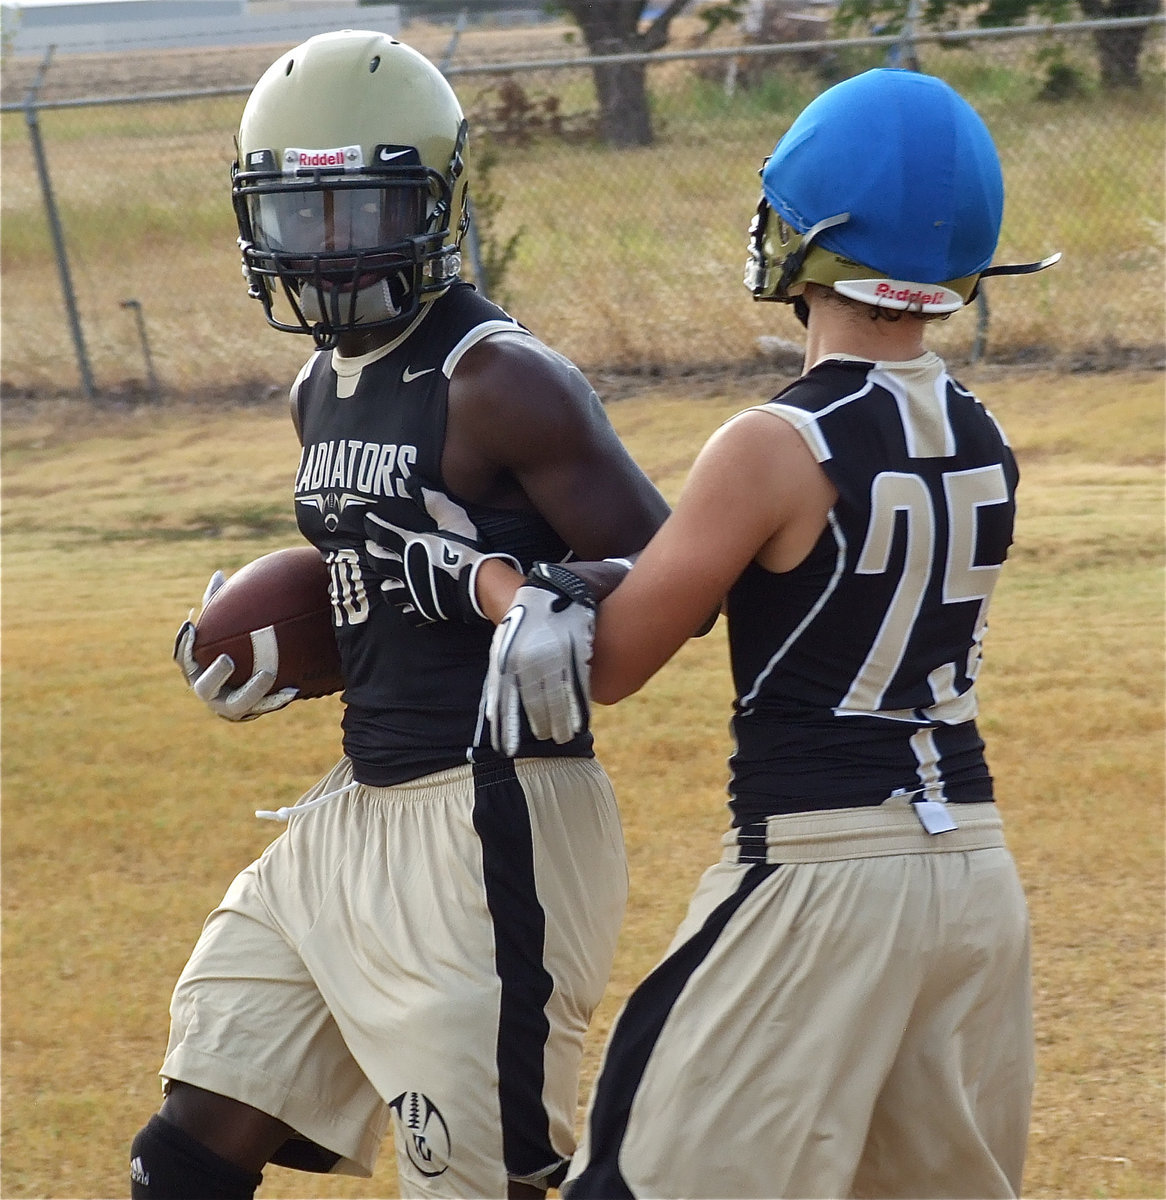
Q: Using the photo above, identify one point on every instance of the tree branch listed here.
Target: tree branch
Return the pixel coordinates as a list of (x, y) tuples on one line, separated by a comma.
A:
[(656, 35)]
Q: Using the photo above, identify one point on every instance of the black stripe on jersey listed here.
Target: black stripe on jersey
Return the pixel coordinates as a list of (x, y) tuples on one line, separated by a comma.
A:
[(632, 1043), (502, 822)]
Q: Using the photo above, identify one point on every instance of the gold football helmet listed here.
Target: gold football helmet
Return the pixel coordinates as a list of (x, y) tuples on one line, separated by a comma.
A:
[(349, 187)]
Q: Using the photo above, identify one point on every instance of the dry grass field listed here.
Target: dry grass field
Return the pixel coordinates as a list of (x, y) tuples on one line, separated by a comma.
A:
[(127, 808)]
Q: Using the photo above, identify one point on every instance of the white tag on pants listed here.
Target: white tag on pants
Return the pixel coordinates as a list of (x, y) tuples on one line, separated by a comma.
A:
[(933, 816)]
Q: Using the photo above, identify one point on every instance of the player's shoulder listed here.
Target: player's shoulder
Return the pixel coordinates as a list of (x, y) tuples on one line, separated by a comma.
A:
[(470, 334), (316, 360), (825, 383), (504, 347), (960, 393), (305, 381), (510, 361), (513, 395), (461, 308)]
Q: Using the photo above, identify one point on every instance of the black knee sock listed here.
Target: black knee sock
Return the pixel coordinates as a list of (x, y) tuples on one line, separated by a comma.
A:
[(166, 1163)]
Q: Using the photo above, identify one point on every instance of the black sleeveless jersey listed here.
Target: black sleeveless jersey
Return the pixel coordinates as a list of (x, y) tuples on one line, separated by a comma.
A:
[(412, 696), (855, 671)]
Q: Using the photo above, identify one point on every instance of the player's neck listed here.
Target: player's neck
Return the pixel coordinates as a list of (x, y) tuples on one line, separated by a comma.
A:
[(834, 329), (357, 345)]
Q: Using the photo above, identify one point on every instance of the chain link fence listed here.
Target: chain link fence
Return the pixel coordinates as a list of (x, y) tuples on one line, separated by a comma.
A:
[(121, 275)]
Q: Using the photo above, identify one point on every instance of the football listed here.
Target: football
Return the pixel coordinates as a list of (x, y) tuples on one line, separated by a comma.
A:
[(283, 594)]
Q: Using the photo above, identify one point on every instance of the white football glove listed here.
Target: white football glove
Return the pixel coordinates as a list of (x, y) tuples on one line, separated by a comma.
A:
[(249, 700), (430, 574), (540, 660)]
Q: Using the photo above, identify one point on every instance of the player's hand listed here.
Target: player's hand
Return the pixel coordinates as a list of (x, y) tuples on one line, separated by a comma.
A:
[(249, 700), (540, 660), (430, 574)]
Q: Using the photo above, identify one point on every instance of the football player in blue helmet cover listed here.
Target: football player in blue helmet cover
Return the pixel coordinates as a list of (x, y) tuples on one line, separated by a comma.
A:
[(887, 189), (846, 1008)]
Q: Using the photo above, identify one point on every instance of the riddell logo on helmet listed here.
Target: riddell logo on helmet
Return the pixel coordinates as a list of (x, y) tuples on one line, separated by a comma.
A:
[(901, 294), (344, 157), (887, 291)]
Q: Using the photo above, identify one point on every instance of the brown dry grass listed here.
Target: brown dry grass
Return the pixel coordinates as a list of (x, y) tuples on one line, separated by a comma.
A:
[(126, 808)]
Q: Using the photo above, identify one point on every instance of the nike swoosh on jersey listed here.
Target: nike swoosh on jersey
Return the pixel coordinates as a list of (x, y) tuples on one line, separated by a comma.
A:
[(408, 375)]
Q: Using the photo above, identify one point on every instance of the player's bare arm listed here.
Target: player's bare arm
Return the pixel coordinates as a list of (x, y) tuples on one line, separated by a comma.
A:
[(526, 430), (754, 493)]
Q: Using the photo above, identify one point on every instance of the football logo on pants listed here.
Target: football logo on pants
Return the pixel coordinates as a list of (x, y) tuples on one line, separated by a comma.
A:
[(424, 1132)]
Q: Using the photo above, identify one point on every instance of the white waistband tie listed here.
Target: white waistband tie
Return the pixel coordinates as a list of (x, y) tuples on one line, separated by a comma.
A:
[(282, 814)]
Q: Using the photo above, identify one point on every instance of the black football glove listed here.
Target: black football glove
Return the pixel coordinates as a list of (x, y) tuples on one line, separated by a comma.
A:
[(430, 574)]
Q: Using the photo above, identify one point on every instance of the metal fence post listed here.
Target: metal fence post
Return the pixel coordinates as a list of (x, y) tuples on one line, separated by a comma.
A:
[(135, 306), (902, 53), (42, 170), (981, 342)]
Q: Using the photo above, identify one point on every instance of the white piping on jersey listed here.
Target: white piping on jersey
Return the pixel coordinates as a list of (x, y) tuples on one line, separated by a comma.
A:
[(959, 711), (827, 592), (282, 814), (987, 411), (927, 756), (297, 383), (806, 423), (474, 336), (480, 725), (895, 377)]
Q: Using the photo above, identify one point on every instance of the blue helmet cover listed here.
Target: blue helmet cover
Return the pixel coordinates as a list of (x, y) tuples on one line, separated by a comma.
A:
[(909, 159)]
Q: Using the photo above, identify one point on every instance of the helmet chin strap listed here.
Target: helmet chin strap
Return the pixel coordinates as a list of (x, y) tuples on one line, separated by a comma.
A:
[(381, 301)]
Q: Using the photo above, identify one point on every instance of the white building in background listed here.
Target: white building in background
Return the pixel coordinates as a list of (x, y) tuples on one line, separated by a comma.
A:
[(30, 27)]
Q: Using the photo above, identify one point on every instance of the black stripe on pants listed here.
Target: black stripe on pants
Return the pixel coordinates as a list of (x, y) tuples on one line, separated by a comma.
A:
[(502, 821), (632, 1041)]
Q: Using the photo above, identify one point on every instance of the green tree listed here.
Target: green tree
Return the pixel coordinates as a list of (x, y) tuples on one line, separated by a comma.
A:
[(1118, 50)]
